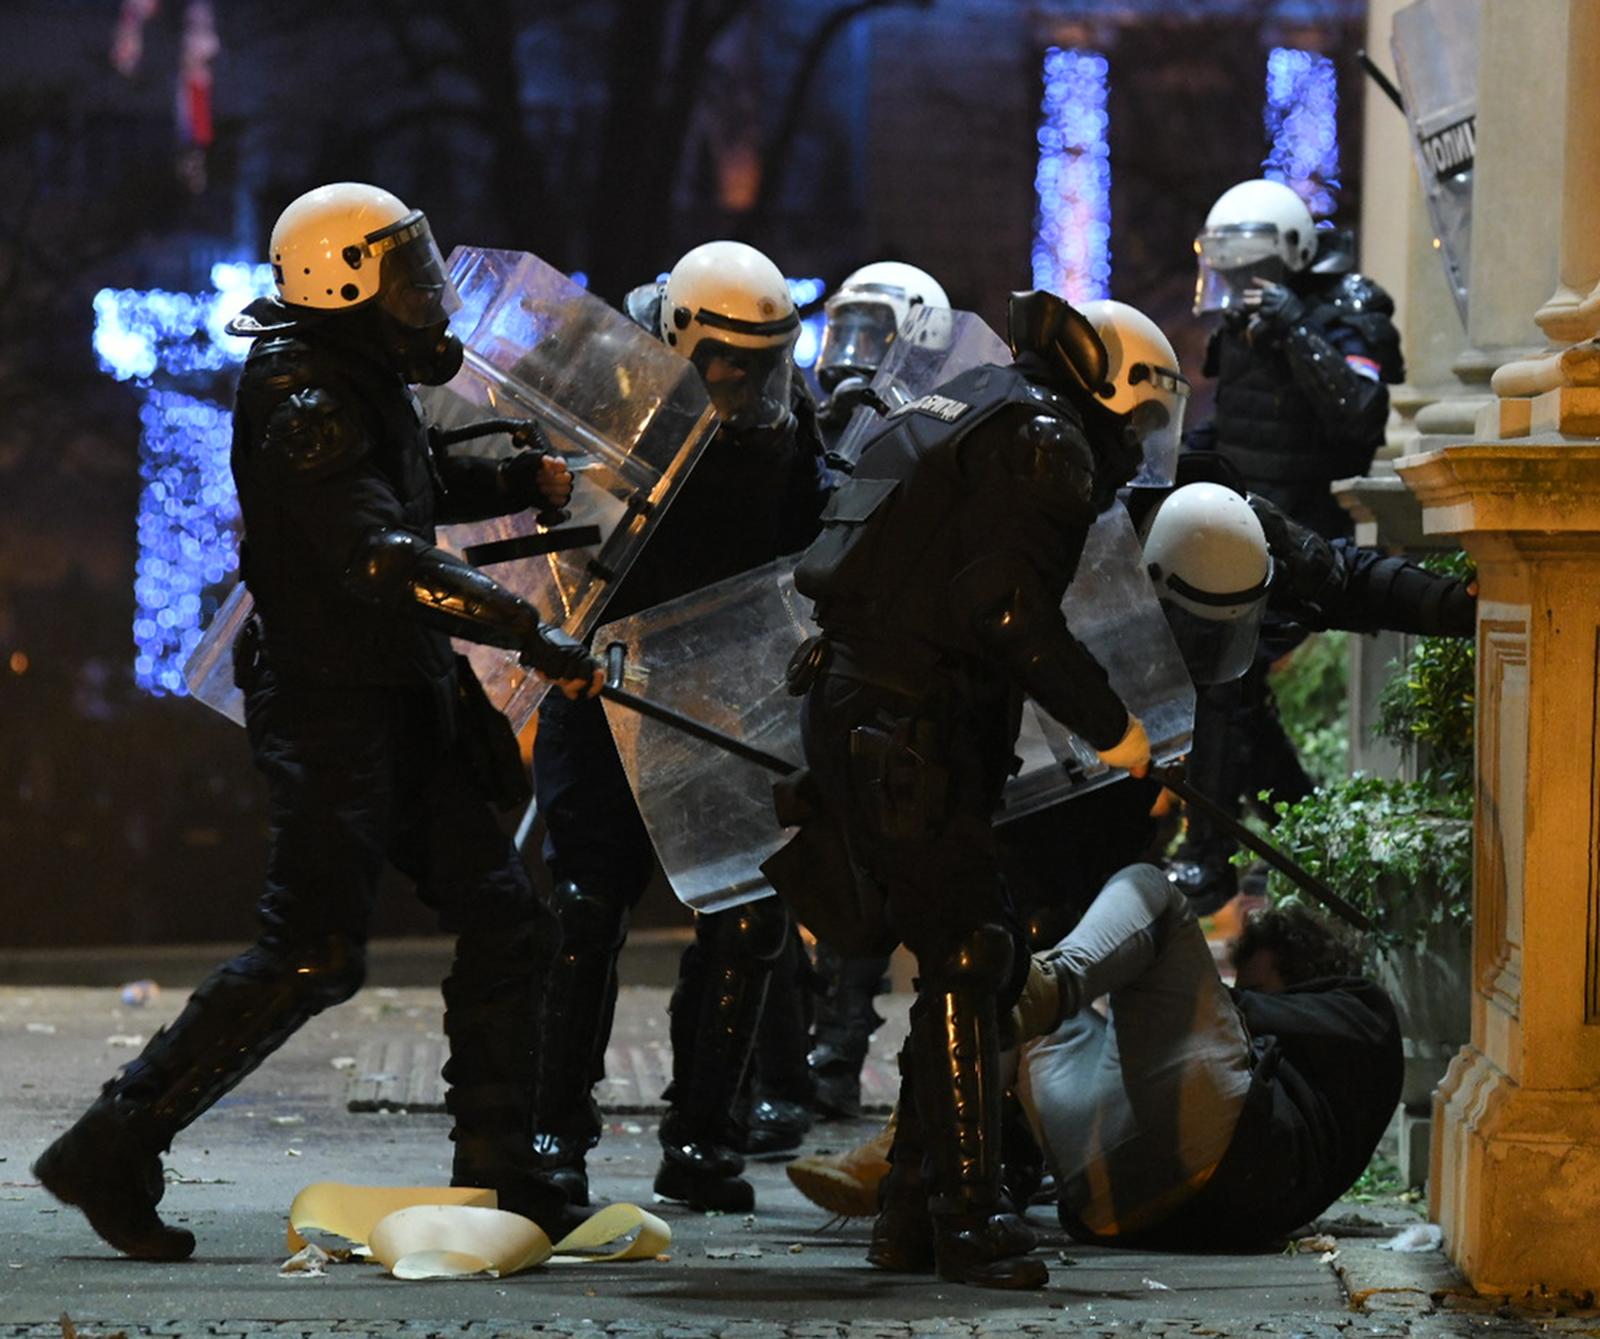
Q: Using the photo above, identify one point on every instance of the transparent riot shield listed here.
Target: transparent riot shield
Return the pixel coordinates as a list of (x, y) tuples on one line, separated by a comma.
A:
[(1435, 44), (629, 415), (935, 344), (1111, 607), (719, 655)]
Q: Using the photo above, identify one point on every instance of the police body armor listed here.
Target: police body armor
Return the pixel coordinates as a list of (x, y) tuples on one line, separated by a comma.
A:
[(887, 557), (324, 395), (1293, 413)]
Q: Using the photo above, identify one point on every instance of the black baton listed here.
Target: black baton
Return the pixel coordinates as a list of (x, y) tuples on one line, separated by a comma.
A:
[(614, 692), (1172, 778)]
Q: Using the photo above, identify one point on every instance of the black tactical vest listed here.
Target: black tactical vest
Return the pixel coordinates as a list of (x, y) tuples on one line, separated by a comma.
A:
[(313, 628), (882, 568), (1266, 426)]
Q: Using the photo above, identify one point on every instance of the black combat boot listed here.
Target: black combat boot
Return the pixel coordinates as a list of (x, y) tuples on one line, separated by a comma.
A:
[(845, 1023), (108, 1165), (779, 1114), (494, 1008), (716, 1010), (956, 1050), (902, 1233), (579, 1008)]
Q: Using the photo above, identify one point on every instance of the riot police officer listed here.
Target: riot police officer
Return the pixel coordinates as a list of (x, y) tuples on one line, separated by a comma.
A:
[(1302, 359), (755, 494), (938, 582), (865, 315), (376, 741)]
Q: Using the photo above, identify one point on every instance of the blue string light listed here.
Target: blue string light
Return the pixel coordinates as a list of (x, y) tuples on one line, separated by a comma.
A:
[(187, 506), (1302, 121), (1072, 236)]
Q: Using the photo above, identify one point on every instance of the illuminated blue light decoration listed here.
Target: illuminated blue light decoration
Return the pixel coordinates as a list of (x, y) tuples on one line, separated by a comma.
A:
[(1302, 119), (187, 507), (1072, 237), (803, 292)]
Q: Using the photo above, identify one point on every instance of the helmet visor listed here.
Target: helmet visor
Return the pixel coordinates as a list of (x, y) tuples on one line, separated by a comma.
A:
[(749, 388), (1157, 423), (1215, 650), (1232, 259), (413, 284), (854, 341)]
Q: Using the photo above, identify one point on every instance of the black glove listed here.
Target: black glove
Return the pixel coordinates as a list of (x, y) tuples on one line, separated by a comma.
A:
[(557, 656), (535, 477), (1275, 307)]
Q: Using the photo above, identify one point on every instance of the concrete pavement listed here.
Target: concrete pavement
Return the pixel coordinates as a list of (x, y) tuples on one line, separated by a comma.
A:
[(777, 1274)]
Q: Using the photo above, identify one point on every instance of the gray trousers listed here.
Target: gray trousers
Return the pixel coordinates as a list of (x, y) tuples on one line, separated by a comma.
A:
[(1135, 1109)]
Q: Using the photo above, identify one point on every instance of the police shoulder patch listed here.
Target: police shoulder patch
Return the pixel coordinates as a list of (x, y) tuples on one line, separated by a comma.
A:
[(944, 407), (311, 434)]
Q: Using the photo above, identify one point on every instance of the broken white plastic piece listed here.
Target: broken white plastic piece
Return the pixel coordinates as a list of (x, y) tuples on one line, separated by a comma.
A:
[(457, 1231), (449, 1241)]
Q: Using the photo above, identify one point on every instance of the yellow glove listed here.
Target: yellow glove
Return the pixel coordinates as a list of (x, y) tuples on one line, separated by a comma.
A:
[(1132, 752), (1038, 1009)]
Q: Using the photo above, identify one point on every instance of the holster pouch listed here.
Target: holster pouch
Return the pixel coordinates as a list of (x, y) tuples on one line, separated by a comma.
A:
[(806, 665), (249, 651), (814, 875), (488, 743), (899, 772)]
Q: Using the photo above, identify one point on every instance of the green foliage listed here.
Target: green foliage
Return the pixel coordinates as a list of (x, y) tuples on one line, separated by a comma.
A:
[(1374, 841), (1312, 691), (1431, 699)]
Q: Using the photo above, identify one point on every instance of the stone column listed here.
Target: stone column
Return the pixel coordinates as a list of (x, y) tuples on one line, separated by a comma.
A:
[(1515, 1178), (1516, 1152)]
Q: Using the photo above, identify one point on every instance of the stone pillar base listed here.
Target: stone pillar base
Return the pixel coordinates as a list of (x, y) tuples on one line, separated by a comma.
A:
[(1515, 1180)]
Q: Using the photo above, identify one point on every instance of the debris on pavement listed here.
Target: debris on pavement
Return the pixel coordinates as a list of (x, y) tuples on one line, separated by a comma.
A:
[(137, 994), (1418, 1237)]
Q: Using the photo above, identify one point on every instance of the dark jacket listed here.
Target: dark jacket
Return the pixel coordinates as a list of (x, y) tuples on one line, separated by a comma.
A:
[(1327, 1079)]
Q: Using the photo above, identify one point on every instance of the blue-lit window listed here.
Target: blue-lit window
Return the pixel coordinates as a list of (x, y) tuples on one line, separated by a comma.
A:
[(171, 345), (1072, 237), (1302, 119)]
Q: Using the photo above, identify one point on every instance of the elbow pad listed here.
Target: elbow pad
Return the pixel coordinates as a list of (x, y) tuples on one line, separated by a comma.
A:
[(402, 572), (1016, 625), (1352, 407)]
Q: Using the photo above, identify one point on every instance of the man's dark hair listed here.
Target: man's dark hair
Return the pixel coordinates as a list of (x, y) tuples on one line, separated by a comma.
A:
[(1304, 944)]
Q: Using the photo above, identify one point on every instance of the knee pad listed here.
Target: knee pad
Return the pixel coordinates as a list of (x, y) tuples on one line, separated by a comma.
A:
[(981, 960), (756, 930), (319, 973), (591, 921)]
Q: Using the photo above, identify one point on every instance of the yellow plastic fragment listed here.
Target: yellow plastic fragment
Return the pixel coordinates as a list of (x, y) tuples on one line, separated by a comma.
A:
[(352, 1212), (587, 1241)]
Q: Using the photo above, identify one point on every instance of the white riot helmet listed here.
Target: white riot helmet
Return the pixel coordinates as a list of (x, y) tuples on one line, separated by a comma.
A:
[(866, 314), (1208, 556), (348, 244), (1256, 230), (726, 308), (1141, 381)]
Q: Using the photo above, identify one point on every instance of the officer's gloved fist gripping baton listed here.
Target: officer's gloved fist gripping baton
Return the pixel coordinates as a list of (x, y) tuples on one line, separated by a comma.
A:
[(535, 477)]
